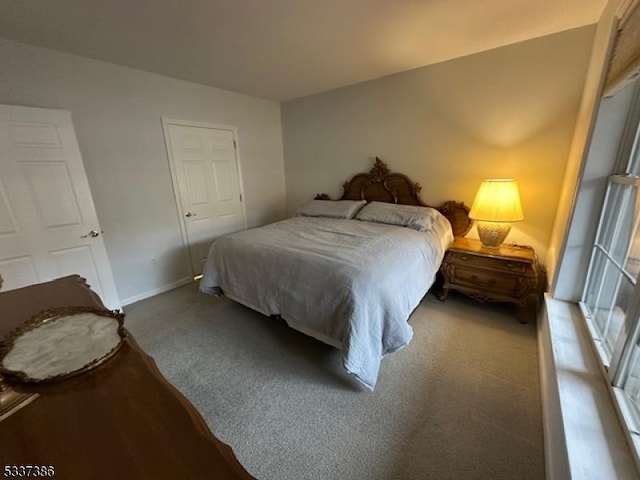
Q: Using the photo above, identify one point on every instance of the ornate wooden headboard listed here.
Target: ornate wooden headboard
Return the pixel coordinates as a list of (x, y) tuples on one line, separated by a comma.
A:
[(381, 185)]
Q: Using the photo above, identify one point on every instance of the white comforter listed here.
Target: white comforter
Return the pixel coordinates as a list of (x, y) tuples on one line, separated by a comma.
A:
[(351, 281)]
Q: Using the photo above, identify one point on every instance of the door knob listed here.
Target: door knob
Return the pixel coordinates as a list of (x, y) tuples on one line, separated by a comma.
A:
[(92, 234), (189, 214)]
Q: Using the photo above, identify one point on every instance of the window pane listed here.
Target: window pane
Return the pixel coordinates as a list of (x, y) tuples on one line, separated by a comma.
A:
[(632, 262), (607, 298), (613, 204), (632, 385), (596, 274), (619, 221), (634, 160)]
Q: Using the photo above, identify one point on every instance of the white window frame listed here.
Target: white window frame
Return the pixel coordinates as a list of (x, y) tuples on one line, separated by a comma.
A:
[(616, 364)]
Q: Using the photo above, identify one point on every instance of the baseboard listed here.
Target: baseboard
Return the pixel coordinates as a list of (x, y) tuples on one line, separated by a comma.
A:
[(156, 291)]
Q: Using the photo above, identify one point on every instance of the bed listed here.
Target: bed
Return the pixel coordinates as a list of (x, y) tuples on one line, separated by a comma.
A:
[(348, 272)]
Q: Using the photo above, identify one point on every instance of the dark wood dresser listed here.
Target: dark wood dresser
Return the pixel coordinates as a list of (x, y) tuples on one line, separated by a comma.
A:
[(509, 273), (121, 420)]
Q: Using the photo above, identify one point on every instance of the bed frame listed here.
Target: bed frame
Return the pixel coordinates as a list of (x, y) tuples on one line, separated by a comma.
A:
[(382, 185)]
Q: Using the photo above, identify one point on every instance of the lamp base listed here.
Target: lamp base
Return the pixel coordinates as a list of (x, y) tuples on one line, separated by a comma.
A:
[(492, 234)]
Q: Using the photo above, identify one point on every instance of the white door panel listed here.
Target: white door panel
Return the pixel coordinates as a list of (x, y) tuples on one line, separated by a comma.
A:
[(206, 175), (46, 208), (52, 193), (18, 272), (75, 259)]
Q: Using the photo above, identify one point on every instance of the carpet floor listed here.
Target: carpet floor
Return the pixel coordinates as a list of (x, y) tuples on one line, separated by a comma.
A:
[(461, 401)]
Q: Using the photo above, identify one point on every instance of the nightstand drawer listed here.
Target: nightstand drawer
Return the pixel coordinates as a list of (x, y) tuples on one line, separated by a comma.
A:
[(478, 279), (461, 258), (509, 273)]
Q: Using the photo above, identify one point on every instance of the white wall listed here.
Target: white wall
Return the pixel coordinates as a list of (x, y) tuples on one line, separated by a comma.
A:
[(117, 116), (508, 112)]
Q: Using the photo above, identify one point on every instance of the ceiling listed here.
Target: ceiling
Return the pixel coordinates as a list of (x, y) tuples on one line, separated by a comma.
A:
[(283, 49)]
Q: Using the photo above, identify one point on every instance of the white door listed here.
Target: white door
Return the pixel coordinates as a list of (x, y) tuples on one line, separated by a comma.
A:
[(204, 164), (48, 223)]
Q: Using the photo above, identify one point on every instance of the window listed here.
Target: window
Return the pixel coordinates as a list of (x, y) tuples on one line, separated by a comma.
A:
[(611, 298), (614, 265)]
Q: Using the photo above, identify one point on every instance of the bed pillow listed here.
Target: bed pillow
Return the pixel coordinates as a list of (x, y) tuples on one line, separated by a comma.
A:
[(411, 216), (330, 208)]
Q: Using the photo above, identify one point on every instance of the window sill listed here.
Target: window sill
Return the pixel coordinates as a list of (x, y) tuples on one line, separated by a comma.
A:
[(583, 436)]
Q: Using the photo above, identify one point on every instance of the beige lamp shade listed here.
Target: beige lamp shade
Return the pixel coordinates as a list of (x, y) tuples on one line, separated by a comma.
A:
[(497, 200), (497, 203)]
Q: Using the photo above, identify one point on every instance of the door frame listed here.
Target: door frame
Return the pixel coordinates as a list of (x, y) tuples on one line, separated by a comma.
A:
[(166, 122)]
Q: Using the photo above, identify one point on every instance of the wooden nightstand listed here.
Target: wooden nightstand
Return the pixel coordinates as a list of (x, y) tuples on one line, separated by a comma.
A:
[(509, 273)]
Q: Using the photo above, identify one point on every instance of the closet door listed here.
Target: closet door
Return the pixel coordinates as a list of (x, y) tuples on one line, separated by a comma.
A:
[(206, 173)]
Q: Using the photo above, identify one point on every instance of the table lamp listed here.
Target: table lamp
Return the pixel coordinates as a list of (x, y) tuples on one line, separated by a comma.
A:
[(496, 205)]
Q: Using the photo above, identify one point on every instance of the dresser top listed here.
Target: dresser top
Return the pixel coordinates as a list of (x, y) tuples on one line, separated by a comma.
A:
[(511, 251)]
